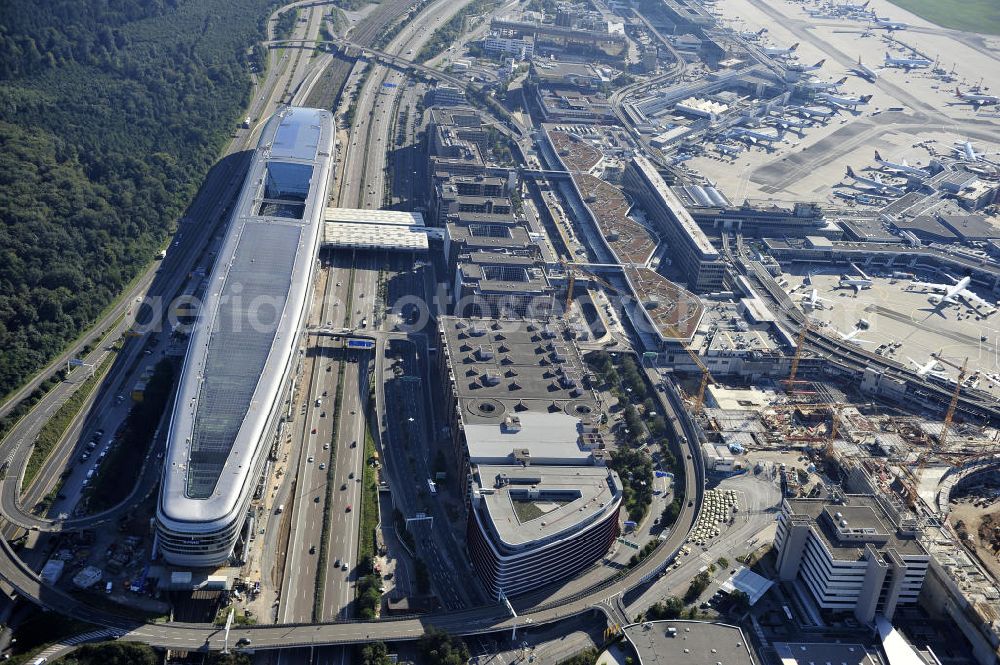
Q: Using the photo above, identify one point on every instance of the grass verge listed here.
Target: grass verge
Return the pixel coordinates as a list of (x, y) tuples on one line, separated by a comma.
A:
[(982, 16), (53, 430), (369, 497), (324, 539)]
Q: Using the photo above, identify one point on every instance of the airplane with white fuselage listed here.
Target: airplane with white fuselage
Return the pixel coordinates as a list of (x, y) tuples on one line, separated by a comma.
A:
[(907, 63), (857, 282), (815, 301), (780, 52), (864, 71), (851, 103), (755, 136), (785, 122), (812, 111), (901, 167), (849, 7), (930, 367), (823, 86), (969, 153), (889, 24), (752, 36), (853, 337), (799, 67), (976, 99), (951, 294), (875, 183)]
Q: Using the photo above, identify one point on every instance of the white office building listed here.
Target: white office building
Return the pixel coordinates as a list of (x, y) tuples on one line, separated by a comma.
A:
[(850, 556)]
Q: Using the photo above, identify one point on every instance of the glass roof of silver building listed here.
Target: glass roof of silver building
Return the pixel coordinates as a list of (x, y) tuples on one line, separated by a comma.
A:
[(297, 138), (251, 302)]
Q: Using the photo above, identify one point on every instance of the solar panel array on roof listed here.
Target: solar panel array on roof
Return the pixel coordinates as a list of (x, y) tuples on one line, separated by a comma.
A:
[(251, 303)]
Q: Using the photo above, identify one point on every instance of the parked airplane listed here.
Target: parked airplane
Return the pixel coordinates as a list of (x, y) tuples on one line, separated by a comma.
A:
[(890, 25), (815, 301), (856, 282), (874, 183), (816, 84), (976, 99), (799, 67), (865, 72), (755, 136), (931, 366), (752, 36), (780, 52), (907, 63), (950, 294), (785, 122), (844, 102), (852, 337), (847, 6), (812, 111), (901, 167)]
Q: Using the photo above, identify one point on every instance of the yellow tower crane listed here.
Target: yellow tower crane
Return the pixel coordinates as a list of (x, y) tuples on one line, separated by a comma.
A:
[(949, 415), (706, 376), (791, 381)]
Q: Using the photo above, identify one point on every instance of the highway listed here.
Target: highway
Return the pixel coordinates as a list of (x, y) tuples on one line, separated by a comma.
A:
[(478, 621), (145, 308), (355, 288), (338, 590)]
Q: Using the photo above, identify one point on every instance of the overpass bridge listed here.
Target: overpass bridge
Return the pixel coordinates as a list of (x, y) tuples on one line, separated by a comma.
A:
[(513, 129), (533, 608)]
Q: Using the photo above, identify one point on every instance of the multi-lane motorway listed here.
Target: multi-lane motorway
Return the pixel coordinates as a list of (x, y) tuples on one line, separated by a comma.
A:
[(358, 283)]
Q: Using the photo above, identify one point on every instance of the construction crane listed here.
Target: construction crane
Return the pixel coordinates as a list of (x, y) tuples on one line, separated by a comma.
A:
[(706, 376), (791, 381), (833, 407), (950, 413), (570, 269)]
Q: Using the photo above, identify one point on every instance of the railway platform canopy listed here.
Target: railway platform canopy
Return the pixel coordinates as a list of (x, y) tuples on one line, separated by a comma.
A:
[(356, 228)]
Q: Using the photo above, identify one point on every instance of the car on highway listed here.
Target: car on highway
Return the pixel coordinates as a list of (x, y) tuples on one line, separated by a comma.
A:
[(312, 549), (336, 564), (354, 444), (343, 487), (344, 566), (322, 465), (348, 509), (311, 459), (326, 446), (316, 500), (350, 476)]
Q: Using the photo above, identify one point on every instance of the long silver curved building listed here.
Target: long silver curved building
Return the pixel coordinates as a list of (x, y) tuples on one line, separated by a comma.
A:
[(242, 348)]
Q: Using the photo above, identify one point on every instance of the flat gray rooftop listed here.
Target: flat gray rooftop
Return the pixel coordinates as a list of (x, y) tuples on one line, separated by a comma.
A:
[(529, 504), (823, 653), (696, 643), (506, 367), (866, 522)]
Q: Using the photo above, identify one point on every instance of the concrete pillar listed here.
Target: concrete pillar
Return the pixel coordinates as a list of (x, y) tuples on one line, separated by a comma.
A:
[(897, 572), (793, 547), (875, 574)]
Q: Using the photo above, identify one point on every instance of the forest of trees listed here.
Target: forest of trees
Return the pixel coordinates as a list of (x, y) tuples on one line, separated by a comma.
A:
[(111, 113)]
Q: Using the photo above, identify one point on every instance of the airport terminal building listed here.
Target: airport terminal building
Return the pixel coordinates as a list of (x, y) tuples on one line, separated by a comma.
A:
[(242, 349)]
